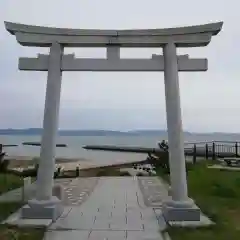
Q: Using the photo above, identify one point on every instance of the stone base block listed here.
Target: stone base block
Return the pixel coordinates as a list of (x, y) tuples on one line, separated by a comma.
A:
[(30, 192), (204, 222), (51, 209), (180, 212)]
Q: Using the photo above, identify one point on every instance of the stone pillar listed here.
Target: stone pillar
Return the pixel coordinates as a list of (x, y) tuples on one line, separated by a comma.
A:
[(50, 124), (175, 209), (45, 205)]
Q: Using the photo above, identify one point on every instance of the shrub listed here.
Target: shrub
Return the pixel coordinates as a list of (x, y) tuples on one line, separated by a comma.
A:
[(125, 173), (29, 173), (4, 165), (77, 171), (189, 166), (161, 162), (108, 172)]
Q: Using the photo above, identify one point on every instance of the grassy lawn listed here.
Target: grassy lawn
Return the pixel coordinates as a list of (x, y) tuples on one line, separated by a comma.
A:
[(217, 193), (9, 182), (14, 233)]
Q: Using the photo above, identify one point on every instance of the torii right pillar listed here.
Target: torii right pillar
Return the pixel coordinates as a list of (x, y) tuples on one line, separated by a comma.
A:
[(181, 207)]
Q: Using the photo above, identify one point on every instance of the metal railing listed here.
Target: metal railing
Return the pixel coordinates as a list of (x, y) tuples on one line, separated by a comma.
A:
[(214, 149)]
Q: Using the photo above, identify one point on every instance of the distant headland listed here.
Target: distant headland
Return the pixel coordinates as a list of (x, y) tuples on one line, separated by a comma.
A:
[(92, 132)]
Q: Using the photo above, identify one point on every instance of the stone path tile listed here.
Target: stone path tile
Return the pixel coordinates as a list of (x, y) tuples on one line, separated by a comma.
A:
[(64, 181), (67, 235), (146, 235), (75, 191), (114, 210), (109, 235), (153, 190)]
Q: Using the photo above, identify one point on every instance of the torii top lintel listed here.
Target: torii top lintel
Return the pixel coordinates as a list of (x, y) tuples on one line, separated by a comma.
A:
[(191, 36)]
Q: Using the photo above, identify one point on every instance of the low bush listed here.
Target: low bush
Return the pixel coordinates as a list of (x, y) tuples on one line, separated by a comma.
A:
[(125, 173), (4, 165), (108, 172), (29, 173)]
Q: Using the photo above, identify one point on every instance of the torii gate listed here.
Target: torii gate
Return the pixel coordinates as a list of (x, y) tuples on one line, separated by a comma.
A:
[(181, 207)]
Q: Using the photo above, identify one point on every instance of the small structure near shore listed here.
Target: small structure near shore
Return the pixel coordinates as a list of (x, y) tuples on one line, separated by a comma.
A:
[(3, 163), (38, 144)]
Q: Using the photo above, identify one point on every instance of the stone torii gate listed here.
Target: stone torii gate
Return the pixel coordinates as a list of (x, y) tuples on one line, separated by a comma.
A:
[(181, 207)]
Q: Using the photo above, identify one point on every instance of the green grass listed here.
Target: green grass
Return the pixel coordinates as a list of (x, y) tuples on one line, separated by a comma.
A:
[(217, 193), (7, 209), (14, 233), (9, 182)]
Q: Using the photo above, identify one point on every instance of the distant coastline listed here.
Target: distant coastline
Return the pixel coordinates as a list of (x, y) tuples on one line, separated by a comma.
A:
[(142, 132)]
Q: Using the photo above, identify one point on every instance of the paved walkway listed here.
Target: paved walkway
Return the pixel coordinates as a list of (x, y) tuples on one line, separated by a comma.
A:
[(115, 210)]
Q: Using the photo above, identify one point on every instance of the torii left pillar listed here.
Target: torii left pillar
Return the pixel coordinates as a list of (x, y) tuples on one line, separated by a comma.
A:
[(46, 205)]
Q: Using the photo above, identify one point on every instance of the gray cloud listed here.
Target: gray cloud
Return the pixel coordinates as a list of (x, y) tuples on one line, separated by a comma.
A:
[(123, 100)]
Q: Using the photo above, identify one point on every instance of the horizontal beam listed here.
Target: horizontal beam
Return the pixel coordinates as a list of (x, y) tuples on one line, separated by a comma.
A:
[(191, 40), (190, 36), (70, 63)]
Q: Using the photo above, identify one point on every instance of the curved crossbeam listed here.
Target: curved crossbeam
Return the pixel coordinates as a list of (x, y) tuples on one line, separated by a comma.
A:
[(191, 36)]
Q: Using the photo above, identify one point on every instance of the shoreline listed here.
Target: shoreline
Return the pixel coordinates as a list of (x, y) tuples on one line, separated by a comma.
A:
[(70, 163), (67, 163), (80, 161)]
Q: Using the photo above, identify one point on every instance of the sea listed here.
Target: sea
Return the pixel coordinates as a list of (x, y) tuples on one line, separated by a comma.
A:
[(75, 143)]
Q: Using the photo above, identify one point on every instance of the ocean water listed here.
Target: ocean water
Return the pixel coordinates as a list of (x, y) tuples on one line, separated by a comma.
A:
[(75, 143)]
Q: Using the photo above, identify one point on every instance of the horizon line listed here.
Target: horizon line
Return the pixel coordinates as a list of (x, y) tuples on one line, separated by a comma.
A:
[(125, 131)]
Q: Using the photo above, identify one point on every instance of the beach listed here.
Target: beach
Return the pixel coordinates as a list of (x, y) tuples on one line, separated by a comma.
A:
[(67, 163)]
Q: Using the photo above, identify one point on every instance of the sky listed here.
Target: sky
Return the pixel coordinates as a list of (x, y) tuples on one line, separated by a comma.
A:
[(123, 101)]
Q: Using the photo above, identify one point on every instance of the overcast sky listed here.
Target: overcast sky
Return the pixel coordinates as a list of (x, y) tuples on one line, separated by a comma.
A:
[(121, 101)]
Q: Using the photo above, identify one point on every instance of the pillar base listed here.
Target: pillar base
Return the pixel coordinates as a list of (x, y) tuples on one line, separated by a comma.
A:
[(46, 209), (181, 211)]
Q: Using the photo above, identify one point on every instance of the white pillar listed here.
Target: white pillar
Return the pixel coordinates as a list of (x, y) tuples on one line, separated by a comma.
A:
[(180, 207), (174, 124), (50, 124)]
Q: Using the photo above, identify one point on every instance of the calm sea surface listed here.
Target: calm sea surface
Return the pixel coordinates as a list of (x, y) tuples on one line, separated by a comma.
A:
[(75, 144)]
